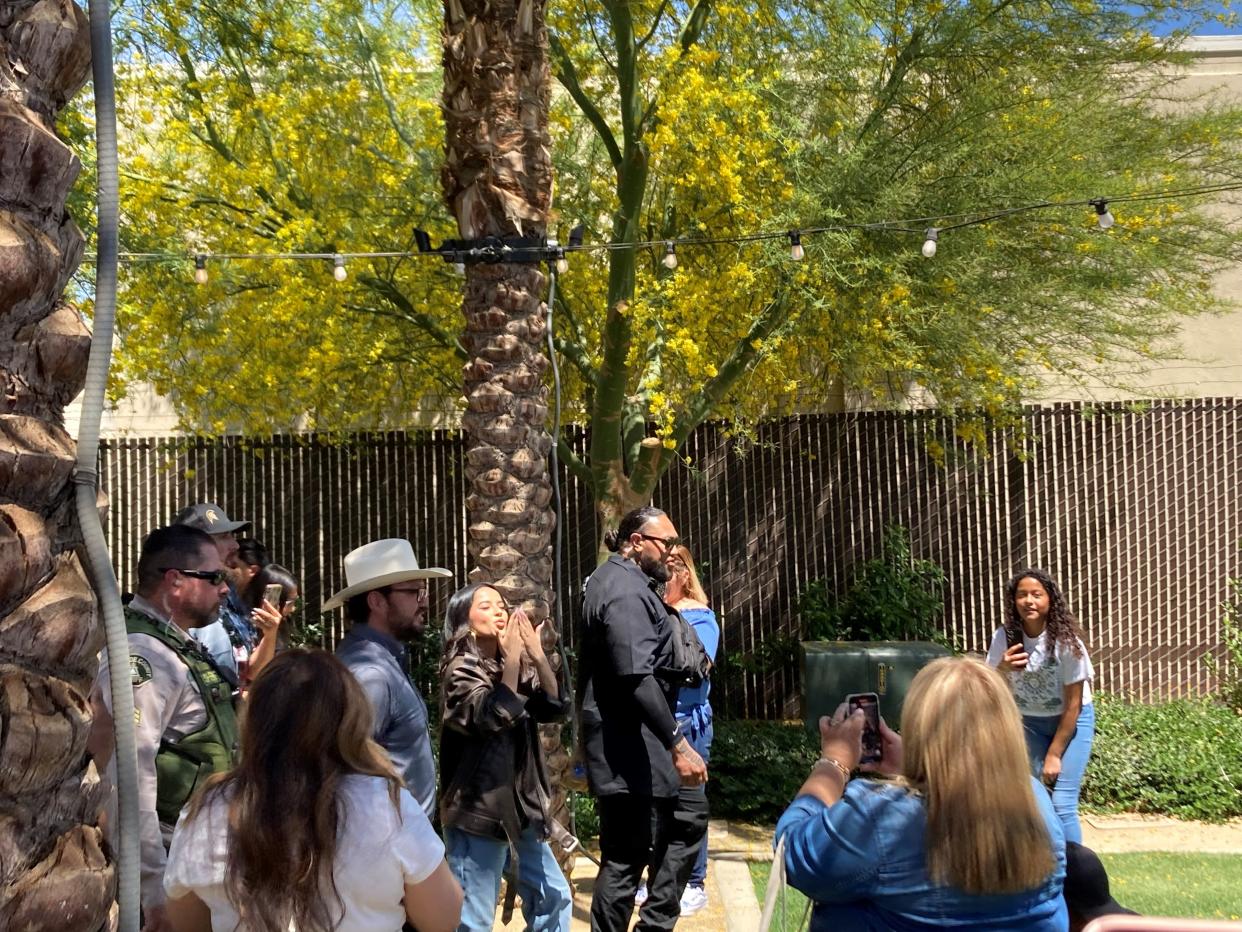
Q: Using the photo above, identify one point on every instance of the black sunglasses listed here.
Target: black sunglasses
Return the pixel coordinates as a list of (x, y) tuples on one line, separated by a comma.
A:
[(668, 543), (215, 577)]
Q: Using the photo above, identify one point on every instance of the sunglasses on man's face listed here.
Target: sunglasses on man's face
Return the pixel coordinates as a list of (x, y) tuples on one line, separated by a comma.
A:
[(215, 577), (668, 543)]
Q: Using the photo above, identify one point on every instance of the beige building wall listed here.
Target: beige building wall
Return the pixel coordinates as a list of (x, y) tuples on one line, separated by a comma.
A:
[(1211, 361)]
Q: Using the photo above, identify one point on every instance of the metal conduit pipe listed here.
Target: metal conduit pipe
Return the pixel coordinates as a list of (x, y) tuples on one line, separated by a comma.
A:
[(86, 477)]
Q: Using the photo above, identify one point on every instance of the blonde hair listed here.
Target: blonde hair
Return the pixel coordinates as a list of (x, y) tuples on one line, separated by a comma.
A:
[(963, 750), (693, 588)]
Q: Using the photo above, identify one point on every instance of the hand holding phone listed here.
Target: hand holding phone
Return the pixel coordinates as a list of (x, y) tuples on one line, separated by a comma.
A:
[(272, 595), (1014, 659), (872, 748)]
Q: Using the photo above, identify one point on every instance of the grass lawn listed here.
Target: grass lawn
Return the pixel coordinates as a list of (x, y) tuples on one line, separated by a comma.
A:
[(1196, 886)]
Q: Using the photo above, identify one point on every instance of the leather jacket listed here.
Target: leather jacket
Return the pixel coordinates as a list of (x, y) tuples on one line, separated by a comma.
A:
[(494, 782)]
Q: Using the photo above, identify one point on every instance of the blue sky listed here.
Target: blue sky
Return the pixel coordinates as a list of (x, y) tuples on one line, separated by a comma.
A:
[(1215, 29)]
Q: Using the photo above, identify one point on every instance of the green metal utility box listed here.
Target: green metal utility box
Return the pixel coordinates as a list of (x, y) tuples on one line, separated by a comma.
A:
[(831, 670)]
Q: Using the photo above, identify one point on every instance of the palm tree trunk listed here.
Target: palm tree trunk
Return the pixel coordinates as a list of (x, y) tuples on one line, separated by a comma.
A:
[(497, 180), (54, 871)]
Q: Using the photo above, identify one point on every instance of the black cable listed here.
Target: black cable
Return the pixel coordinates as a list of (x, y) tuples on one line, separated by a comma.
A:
[(913, 225)]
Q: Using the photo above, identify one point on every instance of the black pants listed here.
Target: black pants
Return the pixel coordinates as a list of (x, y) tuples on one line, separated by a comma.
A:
[(634, 832), (688, 835)]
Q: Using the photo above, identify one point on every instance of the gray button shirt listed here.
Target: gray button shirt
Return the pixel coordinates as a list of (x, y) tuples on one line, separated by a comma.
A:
[(377, 662)]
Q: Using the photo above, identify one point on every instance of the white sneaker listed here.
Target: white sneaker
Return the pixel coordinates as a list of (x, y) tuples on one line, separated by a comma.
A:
[(641, 896), (693, 899)]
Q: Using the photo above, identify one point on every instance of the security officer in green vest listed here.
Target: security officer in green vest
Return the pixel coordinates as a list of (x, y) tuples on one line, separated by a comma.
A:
[(183, 707)]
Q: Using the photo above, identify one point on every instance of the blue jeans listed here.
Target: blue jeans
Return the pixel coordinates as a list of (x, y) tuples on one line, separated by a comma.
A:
[(701, 741), (478, 864), (1039, 731)]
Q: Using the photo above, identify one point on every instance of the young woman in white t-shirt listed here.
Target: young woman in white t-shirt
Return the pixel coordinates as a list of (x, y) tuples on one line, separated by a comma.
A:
[(312, 831), (1040, 649)]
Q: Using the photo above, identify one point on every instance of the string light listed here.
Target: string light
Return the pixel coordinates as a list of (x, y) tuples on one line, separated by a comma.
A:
[(1104, 216), (338, 267), (562, 264), (796, 252), (929, 244), (906, 226)]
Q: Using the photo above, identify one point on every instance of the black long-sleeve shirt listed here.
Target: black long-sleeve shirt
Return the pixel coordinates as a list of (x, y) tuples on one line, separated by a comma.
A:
[(628, 725)]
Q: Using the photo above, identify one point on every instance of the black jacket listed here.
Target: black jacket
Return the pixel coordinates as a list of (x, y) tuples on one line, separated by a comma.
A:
[(492, 773)]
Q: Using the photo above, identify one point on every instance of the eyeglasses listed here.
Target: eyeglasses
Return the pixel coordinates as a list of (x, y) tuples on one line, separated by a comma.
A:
[(668, 543), (418, 591), (215, 577)]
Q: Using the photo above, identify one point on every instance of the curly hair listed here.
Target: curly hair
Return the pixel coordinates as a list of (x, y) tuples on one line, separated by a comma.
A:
[(1062, 628)]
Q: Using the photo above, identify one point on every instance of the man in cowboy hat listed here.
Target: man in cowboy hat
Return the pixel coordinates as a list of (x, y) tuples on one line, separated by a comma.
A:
[(386, 600)]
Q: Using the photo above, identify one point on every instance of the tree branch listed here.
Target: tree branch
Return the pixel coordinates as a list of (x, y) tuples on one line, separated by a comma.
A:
[(653, 459), (567, 74), (391, 293), (565, 454)]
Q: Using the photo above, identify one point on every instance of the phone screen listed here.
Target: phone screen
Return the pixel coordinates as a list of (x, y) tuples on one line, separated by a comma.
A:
[(273, 593), (872, 750), (1013, 635)]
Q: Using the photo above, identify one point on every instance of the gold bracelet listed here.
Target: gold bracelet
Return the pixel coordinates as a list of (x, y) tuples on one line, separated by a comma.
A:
[(841, 768)]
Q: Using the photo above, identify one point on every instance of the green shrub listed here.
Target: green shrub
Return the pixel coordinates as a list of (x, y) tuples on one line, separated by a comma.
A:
[(1180, 758), (1230, 671), (893, 597), (586, 820), (757, 767)]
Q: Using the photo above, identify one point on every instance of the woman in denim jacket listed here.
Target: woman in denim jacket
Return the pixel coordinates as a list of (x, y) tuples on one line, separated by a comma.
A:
[(963, 836), (497, 685)]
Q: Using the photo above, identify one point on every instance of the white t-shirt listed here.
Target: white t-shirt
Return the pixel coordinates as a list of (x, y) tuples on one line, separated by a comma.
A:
[(377, 855), (1039, 688)]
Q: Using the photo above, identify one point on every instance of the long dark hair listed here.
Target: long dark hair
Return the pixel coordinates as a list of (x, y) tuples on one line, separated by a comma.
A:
[(307, 725), (1062, 626), (457, 631), (270, 575)]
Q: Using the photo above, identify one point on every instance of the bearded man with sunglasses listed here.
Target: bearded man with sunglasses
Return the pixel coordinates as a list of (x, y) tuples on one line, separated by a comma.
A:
[(184, 717), (637, 759), (386, 599)]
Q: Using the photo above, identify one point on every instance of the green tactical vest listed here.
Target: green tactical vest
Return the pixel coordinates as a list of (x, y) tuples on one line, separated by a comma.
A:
[(182, 764)]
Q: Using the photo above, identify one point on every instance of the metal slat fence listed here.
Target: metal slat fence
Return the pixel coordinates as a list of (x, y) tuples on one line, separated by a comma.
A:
[(1134, 510)]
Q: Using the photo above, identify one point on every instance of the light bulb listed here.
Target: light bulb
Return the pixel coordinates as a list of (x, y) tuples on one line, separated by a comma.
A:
[(796, 252), (562, 265), (1103, 216), (459, 268), (338, 268), (929, 244), (670, 255), (200, 269)]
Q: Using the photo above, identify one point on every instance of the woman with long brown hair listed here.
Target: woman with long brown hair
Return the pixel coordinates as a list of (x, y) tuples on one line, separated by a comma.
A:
[(1040, 651), (313, 830), (962, 836)]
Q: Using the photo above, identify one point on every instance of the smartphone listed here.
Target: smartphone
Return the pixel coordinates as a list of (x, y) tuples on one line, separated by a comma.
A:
[(872, 750), (1013, 635), (273, 593)]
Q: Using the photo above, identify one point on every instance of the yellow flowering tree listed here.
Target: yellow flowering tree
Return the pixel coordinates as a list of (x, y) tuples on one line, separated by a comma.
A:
[(314, 128)]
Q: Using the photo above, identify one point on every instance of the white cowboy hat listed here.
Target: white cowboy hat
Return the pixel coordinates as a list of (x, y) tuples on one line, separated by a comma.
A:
[(380, 563)]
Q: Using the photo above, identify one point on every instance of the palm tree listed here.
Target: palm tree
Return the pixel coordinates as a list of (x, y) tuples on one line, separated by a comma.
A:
[(497, 180), (54, 871)]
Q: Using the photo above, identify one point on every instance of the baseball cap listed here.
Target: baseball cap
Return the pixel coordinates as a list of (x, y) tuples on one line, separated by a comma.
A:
[(209, 517), (1086, 885)]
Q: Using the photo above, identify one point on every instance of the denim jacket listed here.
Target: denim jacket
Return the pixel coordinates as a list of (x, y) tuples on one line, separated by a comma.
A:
[(864, 863)]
